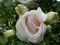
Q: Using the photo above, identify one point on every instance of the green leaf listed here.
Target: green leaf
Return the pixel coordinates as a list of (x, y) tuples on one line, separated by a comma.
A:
[(3, 40), (8, 2)]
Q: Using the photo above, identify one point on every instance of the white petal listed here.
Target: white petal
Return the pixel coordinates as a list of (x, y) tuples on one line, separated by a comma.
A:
[(42, 15), (25, 1), (38, 37), (20, 30)]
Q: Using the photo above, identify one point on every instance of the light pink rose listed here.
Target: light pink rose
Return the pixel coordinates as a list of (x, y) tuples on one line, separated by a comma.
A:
[(31, 27)]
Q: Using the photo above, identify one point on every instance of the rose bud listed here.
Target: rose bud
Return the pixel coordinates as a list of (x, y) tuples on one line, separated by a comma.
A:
[(9, 33), (49, 28), (21, 9), (31, 27), (52, 17)]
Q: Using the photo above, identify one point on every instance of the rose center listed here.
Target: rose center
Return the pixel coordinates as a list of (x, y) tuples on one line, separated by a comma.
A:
[(33, 23)]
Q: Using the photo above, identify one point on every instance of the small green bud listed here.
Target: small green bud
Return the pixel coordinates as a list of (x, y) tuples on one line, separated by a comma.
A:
[(49, 27), (52, 17), (9, 33), (21, 9)]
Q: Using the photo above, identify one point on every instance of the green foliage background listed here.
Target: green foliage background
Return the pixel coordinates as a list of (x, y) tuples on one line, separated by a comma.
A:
[(8, 18)]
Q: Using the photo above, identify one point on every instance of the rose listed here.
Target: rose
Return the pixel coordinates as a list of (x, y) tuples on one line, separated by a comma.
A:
[(31, 27), (25, 1)]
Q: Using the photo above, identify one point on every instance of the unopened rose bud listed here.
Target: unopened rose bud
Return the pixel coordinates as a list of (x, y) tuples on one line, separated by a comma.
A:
[(49, 27), (21, 9), (9, 33), (52, 17)]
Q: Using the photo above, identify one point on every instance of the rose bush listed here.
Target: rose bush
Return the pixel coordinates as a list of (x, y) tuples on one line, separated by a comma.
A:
[(31, 27)]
